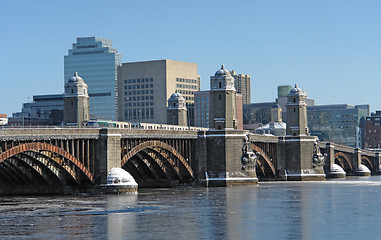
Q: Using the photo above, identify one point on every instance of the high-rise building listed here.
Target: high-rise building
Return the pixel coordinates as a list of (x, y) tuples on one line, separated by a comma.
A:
[(96, 61), (145, 87), (242, 86)]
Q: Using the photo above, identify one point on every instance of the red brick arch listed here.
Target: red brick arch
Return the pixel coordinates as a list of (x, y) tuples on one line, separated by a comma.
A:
[(51, 148), (157, 144)]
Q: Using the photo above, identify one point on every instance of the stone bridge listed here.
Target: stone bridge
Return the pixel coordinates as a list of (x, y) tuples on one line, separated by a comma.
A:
[(82, 157), (351, 160), (53, 159)]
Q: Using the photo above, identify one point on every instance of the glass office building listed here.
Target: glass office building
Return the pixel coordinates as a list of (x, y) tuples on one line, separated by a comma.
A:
[(96, 62)]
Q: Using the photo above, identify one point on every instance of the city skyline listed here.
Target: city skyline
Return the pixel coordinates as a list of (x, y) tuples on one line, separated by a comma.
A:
[(327, 48)]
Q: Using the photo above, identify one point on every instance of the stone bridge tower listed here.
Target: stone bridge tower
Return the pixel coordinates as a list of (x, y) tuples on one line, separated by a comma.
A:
[(296, 113), (299, 154), (177, 110), (76, 102), (222, 108), (220, 150)]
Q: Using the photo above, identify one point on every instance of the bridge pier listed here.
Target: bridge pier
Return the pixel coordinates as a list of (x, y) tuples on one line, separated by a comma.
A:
[(331, 168), (298, 159), (219, 159), (377, 163), (108, 152), (358, 168)]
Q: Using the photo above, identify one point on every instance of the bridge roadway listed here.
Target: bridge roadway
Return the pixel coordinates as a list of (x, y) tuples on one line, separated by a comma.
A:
[(54, 159)]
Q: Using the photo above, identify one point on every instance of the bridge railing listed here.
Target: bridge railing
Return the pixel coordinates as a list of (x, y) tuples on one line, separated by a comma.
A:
[(347, 149)]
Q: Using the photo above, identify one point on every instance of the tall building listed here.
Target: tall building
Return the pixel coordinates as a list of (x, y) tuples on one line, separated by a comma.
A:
[(145, 87), (76, 102), (338, 123), (96, 61), (242, 86)]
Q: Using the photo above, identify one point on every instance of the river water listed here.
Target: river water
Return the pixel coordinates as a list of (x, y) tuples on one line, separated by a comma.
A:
[(338, 209)]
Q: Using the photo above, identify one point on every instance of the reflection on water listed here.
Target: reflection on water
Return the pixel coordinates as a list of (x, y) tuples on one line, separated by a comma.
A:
[(339, 209)]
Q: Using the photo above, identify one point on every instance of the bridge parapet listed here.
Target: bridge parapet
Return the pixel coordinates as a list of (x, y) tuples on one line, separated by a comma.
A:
[(143, 133), (47, 133), (263, 138)]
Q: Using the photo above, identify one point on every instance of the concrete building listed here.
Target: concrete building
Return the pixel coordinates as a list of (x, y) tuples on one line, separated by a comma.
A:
[(44, 110), (201, 109), (177, 110), (145, 87), (76, 102), (96, 60), (337, 123), (242, 86)]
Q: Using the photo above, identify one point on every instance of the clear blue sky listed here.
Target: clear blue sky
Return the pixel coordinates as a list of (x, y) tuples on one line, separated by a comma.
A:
[(330, 48)]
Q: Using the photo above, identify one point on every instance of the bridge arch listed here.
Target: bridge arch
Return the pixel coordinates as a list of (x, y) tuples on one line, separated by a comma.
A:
[(46, 154), (266, 159), (367, 162), (343, 161), (158, 161)]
